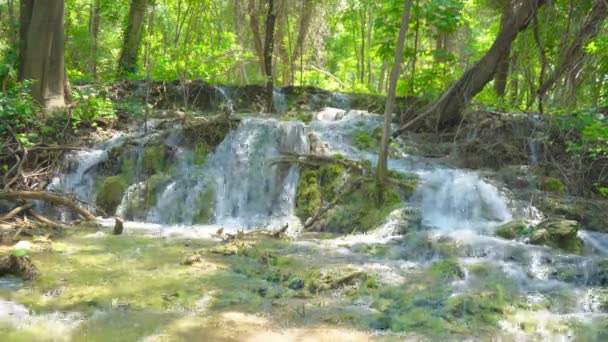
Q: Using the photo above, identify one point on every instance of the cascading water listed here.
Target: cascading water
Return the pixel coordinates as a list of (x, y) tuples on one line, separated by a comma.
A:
[(239, 186), (279, 100)]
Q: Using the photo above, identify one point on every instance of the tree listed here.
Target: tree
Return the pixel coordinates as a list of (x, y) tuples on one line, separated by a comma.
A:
[(132, 37), (94, 21), (502, 71), (42, 52), (574, 53), (268, 49), (382, 169), (448, 108)]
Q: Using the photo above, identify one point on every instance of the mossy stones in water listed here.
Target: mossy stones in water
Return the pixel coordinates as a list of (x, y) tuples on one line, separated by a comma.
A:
[(558, 233), (512, 230)]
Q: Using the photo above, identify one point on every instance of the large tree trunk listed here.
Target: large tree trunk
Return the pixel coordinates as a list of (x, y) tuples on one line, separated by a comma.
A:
[(448, 108), (382, 170), (42, 52), (574, 53), (268, 50), (132, 38)]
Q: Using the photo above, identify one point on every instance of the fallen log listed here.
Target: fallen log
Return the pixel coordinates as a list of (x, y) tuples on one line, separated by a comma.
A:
[(47, 197), (45, 220)]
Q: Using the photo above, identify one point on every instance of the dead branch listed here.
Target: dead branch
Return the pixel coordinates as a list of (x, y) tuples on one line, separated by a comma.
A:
[(16, 211), (47, 197), (45, 220)]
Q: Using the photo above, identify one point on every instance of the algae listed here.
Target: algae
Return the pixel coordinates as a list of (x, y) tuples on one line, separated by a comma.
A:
[(110, 193)]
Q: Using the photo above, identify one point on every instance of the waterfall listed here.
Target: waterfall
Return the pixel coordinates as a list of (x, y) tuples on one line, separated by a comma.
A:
[(228, 103), (279, 101), (454, 199)]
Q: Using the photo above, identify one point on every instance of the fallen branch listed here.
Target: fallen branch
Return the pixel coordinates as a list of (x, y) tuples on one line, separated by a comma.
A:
[(16, 211), (45, 220), (47, 197)]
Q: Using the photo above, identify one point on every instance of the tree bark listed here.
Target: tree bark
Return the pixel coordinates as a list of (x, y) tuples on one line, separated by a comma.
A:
[(271, 17), (305, 20), (94, 23), (12, 24), (502, 70), (48, 197), (382, 169), (132, 38), (574, 53), (257, 36), (448, 108), (42, 52)]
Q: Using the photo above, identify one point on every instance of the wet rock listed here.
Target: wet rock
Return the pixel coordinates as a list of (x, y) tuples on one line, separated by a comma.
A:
[(558, 233), (297, 284), (18, 264), (512, 230)]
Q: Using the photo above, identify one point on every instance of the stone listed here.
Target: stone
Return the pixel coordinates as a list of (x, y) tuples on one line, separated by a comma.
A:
[(512, 230), (558, 233)]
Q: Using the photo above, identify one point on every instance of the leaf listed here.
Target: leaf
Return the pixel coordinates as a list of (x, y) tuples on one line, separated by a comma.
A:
[(19, 252)]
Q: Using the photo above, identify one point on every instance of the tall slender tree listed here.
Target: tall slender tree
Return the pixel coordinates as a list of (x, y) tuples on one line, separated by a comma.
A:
[(271, 17), (132, 37), (382, 169)]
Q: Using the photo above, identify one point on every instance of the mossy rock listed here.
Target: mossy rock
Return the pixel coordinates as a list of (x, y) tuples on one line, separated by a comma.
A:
[(512, 230), (204, 207), (154, 159), (110, 193), (363, 209), (201, 151), (558, 233), (448, 270), (308, 195)]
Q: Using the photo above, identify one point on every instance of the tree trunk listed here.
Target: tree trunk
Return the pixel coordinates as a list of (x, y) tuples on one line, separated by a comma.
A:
[(94, 22), (257, 36), (305, 20), (132, 37), (502, 71), (382, 170), (12, 24), (268, 50), (448, 108), (42, 52), (574, 53)]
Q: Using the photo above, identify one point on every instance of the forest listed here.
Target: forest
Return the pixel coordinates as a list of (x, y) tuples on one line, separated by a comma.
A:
[(303, 170)]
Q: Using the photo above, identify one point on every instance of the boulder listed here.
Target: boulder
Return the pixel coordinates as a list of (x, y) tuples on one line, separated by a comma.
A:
[(512, 230), (558, 233)]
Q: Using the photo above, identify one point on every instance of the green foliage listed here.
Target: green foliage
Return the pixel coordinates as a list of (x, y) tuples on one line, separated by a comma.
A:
[(592, 137), (89, 108), (366, 142), (18, 110), (552, 184), (201, 151)]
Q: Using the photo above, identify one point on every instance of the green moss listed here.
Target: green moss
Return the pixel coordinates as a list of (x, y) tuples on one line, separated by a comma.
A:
[(152, 185), (448, 269), (308, 195), (201, 151), (154, 159), (513, 230), (127, 168), (552, 184), (364, 141), (558, 233), (204, 207), (110, 193), (329, 177), (363, 209)]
